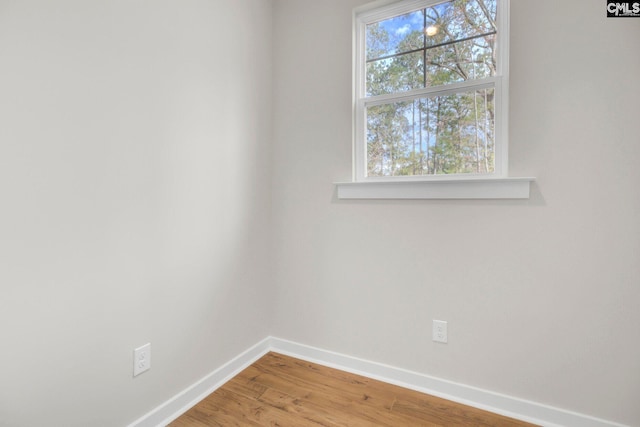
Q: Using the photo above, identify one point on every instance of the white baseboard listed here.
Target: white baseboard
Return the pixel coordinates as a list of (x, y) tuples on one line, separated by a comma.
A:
[(513, 407), (183, 401)]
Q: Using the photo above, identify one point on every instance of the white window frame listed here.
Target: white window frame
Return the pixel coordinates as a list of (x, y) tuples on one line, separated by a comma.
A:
[(385, 9)]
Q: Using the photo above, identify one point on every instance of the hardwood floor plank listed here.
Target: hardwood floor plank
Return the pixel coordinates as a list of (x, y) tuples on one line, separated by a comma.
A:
[(378, 395), (398, 399), (300, 407), (235, 409), (283, 391), (246, 388), (187, 420), (331, 398)]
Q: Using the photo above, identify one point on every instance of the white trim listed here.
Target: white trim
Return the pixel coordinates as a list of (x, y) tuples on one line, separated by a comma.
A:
[(186, 399), (513, 407), (378, 11), (446, 188), (502, 90), (429, 92), (359, 111), (509, 406)]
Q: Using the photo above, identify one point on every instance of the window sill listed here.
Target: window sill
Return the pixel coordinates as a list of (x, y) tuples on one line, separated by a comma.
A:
[(485, 188)]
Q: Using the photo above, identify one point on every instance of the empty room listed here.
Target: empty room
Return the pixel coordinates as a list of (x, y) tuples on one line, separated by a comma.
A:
[(440, 198)]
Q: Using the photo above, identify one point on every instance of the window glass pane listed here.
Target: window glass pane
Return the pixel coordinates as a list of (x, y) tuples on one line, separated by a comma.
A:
[(459, 19), (467, 60), (400, 34), (452, 134), (447, 43), (395, 74)]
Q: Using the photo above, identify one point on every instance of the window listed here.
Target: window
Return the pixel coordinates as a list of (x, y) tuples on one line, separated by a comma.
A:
[(431, 91)]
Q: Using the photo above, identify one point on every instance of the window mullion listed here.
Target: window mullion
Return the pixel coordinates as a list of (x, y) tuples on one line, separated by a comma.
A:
[(424, 45), (430, 91)]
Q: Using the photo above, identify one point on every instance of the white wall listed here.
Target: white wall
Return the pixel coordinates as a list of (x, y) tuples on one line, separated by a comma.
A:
[(542, 295), (134, 200), (136, 205)]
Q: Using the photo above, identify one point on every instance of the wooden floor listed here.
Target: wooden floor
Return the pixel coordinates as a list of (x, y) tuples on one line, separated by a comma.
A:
[(282, 391)]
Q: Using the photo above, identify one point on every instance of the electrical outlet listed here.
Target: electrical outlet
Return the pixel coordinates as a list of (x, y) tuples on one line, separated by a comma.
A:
[(141, 359), (440, 331)]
